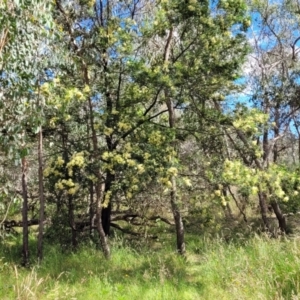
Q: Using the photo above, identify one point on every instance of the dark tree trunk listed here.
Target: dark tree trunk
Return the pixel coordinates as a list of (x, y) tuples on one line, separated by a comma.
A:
[(264, 210), (72, 221), (100, 227), (41, 196), (173, 197), (279, 215), (106, 211), (91, 211), (70, 197), (25, 249), (102, 234), (177, 219)]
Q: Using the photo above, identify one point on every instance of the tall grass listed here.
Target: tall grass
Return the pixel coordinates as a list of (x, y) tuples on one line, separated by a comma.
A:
[(260, 268)]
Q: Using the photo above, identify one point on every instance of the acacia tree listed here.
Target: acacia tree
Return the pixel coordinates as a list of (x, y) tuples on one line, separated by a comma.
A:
[(257, 135), (192, 53)]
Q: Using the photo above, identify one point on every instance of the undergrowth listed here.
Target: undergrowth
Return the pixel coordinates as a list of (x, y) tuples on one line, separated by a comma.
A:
[(258, 268)]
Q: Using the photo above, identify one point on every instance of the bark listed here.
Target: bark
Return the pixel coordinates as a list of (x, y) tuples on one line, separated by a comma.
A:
[(178, 219), (41, 196), (98, 186), (106, 211), (173, 196), (72, 222), (102, 234), (70, 197), (91, 211), (264, 210), (25, 249), (280, 217)]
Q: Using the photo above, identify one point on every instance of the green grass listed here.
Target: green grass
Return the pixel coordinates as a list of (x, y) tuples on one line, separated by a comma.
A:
[(258, 268)]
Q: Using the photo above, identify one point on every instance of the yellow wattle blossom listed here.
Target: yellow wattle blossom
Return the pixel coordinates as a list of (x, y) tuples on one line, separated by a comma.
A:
[(165, 181), (59, 161), (254, 190), (67, 117), (73, 190), (124, 126), (93, 178), (140, 169), (172, 171), (134, 180), (218, 193), (156, 138), (131, 162), (76, 160), (119, 159), (107, 199), (108, 131), (146, 155), (57, 173), (286, 199), (53, 121), (45, 88), (134, 188), (106, 155), (47, 171), (187, 182), (86, 89), (127, 155), (59, 185), (91, 3), (128, 147), (223, 201)]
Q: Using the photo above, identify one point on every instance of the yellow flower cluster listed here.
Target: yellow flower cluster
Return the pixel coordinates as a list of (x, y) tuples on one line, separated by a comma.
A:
[(107, 199), (108, 131), (118, 159), (86, 89), (140, 168), (59, 161), (156, 138), (187, 182), (165, 181), (68, 185), (77, 160), (172, 171), (270, 180), (74, 93), (248, 122), (124, 126)]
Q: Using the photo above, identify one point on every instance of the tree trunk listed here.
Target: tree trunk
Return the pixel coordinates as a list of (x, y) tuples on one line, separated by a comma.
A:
[(264, 210), (280, 217), (91, 210), (106, 211), (173, 196), (100, 227), (72, 221), (25, 250), (99, 213), (41, 196), (177, 219)]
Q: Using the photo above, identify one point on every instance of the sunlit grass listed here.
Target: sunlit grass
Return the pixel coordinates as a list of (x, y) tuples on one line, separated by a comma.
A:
[(260, 268)]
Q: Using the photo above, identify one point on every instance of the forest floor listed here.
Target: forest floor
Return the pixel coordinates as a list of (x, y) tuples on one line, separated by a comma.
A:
[(247, 267)]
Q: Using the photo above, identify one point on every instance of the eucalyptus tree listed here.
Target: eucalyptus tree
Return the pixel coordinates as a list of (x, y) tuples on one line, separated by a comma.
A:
[(25, 32)]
